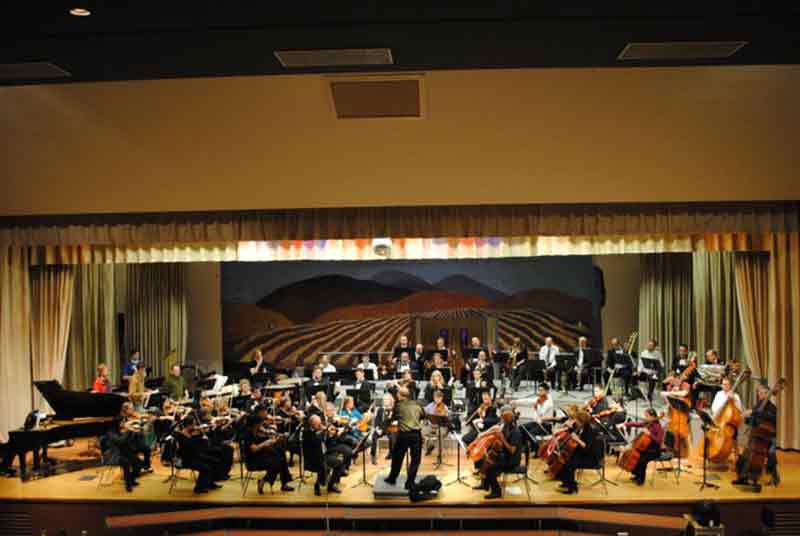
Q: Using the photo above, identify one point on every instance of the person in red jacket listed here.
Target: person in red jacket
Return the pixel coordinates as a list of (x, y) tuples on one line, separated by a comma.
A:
[(101, 383)]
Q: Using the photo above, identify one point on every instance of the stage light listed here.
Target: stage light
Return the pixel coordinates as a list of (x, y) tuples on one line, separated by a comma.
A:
[(382, 247), (80, 11)]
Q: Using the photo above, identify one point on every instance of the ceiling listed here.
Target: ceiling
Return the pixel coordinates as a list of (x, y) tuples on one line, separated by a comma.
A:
[(488, 137), (146, 39)]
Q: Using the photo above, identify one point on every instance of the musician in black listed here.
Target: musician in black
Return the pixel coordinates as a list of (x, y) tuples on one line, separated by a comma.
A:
[(587, 454), (409, 415), (363, 394), (137, 440), (476, 386), (620, 362), (681, 359), (482, 418), (259, 365), (194, 453), (337, 439), (764, 414), (384, 418), (121, 442), (470, 358), (263, 451), (317, 383), (519, 356), (402, 346), (505, 460), (218, 438), (317, 458)]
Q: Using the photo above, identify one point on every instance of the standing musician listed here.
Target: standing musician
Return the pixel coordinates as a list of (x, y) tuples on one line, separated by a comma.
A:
[(363, 397), (367, 365), (409, 415), (587, 453), (483, 418), (681, 359), (580, 373), (174, 385), (652, 428), (505, 458), (135, 423), (679, 420), (547, 353), (436, 407), (259, 366), (264, 452), (102, 384), (132, 365), (318, 458), (384, 420), (721, 399), (402, 346), (646, 374), (518, 365), (763, 421)]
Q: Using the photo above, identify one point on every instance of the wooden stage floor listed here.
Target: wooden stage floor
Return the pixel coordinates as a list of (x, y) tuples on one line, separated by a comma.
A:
[(82, 486)]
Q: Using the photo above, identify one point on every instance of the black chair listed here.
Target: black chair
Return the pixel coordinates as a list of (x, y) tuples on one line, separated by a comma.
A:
[(176, 464)]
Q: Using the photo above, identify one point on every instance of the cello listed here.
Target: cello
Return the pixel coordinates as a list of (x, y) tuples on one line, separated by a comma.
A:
[(721, 440), (630, 458), (761, 436)]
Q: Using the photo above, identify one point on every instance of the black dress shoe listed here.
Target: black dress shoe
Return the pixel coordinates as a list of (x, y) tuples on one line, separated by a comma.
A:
[(333, 488), (390, 481), (214, 485), (374, 460), (493, 495), (261, 486), (317, 491), (128, 487), (569, 490), (287, 487), (740, 482)]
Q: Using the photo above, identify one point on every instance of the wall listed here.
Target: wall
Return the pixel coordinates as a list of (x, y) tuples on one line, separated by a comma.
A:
[(491, 136), (204, 306), (622, 275)]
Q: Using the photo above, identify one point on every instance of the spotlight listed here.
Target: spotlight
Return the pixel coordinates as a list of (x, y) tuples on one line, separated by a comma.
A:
[(81, 10), (382, 247)]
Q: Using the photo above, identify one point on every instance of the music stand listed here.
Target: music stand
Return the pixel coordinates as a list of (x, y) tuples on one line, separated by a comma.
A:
[(683, 407), (604, 435), (459, 445), (531, 442), (441, 421), (535, 370), (708, 424), (361, 447), (564, 363), (636, 394)]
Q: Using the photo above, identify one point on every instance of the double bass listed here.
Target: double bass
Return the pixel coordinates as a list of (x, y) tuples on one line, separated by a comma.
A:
[(678, 420), (761, 436), (721, 440)]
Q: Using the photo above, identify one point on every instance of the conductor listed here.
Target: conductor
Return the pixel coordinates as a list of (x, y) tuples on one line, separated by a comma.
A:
[(409, 415)]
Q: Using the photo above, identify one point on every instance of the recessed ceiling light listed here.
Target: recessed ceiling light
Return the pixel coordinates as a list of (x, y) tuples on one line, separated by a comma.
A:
[(80, 12)]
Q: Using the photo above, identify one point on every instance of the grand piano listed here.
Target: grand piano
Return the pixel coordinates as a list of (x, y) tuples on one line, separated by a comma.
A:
[(77, 414)]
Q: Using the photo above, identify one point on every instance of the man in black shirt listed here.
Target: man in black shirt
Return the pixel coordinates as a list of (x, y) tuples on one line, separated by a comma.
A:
[(318, 459), (363, 396), (193, 451), (121, 441), (586, 455), (506, 460), (263, 452)]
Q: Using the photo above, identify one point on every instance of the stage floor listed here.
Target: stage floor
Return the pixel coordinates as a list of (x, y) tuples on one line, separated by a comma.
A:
[(82, 486)]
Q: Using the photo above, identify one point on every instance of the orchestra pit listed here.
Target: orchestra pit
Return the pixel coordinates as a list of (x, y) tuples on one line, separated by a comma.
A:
[(399, 268)]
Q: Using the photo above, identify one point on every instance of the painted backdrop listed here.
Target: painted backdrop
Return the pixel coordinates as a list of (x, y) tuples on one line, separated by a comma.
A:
[(294, 310)]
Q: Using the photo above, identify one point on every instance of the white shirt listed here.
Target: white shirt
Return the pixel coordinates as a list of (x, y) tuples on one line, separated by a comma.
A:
[(647, 354), (329, 368), (369, 366), (540, 411), (719, 402), (548, 355), (580, 358)]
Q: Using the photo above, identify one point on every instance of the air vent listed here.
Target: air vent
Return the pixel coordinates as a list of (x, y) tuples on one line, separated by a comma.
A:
[(349, 57), (32, 70), (15, 523), (372, 99), (681, 50)]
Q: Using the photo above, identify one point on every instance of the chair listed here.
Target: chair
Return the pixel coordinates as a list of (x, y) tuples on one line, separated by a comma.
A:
[(665, 457), (522, 471), (176, 464), (248, 472)]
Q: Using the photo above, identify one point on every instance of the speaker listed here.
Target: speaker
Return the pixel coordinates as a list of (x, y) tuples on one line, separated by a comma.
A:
[(706, 513)]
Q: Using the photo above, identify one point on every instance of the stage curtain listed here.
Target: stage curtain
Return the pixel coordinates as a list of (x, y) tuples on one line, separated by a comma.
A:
[(93, 334), (52, 290), (15, 350), (784, 332), (636, 219), (665, 302), (752, 293), (156, 316), (715, 305)]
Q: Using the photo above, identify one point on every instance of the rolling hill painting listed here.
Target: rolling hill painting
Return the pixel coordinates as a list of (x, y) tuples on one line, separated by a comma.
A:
[(292, 311)]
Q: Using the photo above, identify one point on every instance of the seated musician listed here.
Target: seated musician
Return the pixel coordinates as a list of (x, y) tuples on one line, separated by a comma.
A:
[(326, 365), (102, 383), (721, 400), (217, 440), (317, 405), (470, 358), (580, 373), (406, 364), (682, 391), (194, 453), (437, 363), (599, 402), (418, 356), (485, 366), (442, 350), (586, 455), (519, 357), (653, 428), (264, 452), (122, 442), (316, 383), (402, 346), (138, 444), (363, 397), (407, 381), (547, 353), (259, 365), (543, 412), (352, 417), (681, 360), (507, 459), (174, 385), (290, 418), (430, 431), (475, 388), (650, 375), (763, 414), (436, 383), (384, 419), (319, 458), (367, 365), (337, 440), (483, 418), (618, 361)]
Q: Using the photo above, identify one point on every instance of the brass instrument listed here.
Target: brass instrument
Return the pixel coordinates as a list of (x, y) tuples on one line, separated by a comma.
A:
[(628, 348)]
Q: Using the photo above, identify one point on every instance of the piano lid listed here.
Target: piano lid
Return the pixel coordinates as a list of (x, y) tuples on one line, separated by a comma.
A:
[(76, 404)]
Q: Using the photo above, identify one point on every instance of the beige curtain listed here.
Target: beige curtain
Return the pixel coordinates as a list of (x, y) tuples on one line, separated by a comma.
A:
[(665, 302), (752, 296), (52, 290), (93, 334), (716, 305), (784, 332), (156, 317), (15, 350)]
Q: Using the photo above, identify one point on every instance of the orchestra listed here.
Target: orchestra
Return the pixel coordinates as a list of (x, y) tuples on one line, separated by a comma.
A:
[(327, 420)]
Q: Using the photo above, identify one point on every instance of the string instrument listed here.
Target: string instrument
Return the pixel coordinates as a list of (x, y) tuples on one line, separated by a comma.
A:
[(363, 424), (678, 423), (721, 440), (761, 436), (486, 446), (559, 450), (616, 408), (630, 458)]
